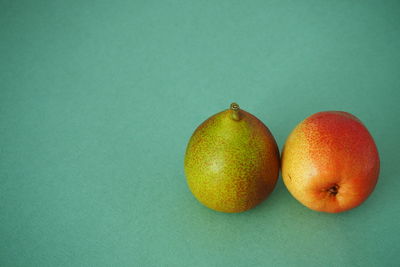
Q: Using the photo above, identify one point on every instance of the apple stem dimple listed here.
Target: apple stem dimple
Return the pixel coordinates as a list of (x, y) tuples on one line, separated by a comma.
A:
[(235, 115)]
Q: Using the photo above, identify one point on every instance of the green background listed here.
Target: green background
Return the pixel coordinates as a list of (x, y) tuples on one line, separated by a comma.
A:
[(98, 100)]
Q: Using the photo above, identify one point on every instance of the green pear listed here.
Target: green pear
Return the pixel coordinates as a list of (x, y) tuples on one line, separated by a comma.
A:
[(232, 161)]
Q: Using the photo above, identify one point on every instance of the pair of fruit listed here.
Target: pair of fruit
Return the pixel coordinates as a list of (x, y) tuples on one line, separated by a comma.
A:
[(329, 162)]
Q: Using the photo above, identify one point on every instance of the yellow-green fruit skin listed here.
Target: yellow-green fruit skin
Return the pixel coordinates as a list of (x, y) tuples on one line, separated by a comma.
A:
[(231, 165)]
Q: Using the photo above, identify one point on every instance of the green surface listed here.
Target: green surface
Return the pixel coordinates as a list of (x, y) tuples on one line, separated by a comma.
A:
[(98, 101)]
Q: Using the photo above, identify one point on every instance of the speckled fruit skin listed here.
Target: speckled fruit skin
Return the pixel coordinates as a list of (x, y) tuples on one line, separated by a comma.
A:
[(330, 162), (231, 166)]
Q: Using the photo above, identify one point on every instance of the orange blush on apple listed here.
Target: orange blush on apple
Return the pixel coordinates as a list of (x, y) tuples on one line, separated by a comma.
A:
[(330, 162)]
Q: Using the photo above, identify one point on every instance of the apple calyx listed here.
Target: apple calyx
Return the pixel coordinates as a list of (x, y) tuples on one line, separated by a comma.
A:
[(333, 190)]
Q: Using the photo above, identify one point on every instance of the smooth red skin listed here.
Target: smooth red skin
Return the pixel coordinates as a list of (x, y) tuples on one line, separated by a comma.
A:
[(341, 151)]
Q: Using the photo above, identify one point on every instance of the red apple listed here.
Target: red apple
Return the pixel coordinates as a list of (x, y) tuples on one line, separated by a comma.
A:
[(330, 162)]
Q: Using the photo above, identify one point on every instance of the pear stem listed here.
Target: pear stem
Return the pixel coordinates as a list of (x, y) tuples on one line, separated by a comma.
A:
[(235, 114)]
